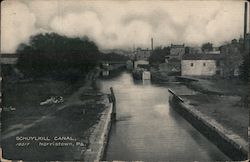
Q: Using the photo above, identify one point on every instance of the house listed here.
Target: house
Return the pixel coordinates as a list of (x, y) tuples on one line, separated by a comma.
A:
[(177, 51), (142, 54), (8, 58), (201, 65)]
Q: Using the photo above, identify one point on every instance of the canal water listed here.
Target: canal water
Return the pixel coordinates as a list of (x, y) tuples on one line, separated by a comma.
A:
[(148, 129)]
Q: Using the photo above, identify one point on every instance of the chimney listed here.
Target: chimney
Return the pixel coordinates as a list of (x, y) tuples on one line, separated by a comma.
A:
[(245, 19), (152, 44)]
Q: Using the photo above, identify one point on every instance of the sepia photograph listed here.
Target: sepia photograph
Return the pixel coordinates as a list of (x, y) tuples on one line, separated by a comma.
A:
[(124, 80)]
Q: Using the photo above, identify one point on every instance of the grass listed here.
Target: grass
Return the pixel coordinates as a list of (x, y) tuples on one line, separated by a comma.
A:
[(26, 97), (220, 87), (224, 110), (67, 121)]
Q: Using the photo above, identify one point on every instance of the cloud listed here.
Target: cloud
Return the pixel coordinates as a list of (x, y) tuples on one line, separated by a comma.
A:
[(13, 28), (73, 25), (120, 24)]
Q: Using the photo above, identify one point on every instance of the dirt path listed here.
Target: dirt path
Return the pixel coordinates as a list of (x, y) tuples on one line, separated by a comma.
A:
[(66, 119), (72, 100)]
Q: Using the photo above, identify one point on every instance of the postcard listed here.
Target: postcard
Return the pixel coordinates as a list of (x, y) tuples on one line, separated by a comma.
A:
[(125, 80)]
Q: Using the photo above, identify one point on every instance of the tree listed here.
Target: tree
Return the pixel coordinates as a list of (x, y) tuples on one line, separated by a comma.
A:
[(207, 47), (158, 55), (245, 68), (53, 54)]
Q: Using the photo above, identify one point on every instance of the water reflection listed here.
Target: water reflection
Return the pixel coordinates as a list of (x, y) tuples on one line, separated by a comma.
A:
[(148, 129)]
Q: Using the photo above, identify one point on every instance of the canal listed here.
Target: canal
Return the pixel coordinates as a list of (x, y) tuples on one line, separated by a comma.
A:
[(148, 129)]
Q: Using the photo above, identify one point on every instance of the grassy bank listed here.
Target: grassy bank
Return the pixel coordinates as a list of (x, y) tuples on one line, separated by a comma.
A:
[(226, 110), (223, 100), (73, 118)]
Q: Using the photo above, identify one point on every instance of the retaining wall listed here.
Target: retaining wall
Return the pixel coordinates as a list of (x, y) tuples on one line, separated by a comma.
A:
[(99, 137), (228, 142), (105, 135)]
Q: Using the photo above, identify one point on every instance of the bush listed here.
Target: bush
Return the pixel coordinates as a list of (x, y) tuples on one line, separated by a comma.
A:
[(52, 54)]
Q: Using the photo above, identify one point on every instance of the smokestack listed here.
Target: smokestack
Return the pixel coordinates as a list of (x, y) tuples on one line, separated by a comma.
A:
[(152, 44), (245, 20)]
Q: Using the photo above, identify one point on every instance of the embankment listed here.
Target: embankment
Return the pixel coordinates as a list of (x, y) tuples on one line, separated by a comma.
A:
[(230, 143), (105, 134), (100, 135)]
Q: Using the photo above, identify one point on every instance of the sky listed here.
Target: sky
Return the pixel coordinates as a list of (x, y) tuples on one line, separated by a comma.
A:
[(125, 23)]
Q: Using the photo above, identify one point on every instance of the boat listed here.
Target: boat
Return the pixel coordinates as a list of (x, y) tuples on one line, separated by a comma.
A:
[(141, 74), (137, 74), (146, 75), (156, 76)]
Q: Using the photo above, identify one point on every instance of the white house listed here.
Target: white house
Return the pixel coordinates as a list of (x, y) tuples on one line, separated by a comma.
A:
[(201, 65)]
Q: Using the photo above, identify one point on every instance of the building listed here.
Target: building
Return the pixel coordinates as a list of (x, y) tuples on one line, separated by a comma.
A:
[(8, 58), (177, 51), (233, 57), (142, 54), (195, 50), (141, 64), (8, 62), (198, 50), (201, 65)]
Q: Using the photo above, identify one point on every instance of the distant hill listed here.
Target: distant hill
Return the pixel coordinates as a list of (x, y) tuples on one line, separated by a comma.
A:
[(117, 51)]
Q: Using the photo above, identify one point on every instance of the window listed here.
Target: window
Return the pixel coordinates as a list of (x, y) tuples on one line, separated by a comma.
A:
[(204, 64), (192, 64)]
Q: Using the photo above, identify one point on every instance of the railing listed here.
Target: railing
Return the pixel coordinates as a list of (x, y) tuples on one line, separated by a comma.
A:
[(175, 96)]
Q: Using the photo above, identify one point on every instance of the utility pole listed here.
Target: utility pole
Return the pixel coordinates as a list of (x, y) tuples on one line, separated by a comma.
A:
[(152, 44), (245, 19)]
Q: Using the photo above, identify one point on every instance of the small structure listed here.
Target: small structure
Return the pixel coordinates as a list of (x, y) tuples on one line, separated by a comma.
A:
[(8, 58), (146, 75), (141, 70), (201, 65), (129, 65), (105, 73), (141, 63)]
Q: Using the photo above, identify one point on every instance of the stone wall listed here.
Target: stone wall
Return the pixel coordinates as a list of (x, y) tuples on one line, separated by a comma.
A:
[(228, 142)]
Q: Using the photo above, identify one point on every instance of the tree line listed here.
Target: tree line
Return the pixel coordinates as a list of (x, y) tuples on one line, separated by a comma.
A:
[(51, 54)]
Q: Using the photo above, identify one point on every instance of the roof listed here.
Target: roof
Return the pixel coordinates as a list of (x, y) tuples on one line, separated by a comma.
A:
[(177, 45), (174, 60), (202, 57), (9, 55)]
